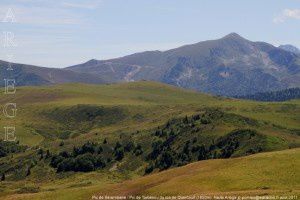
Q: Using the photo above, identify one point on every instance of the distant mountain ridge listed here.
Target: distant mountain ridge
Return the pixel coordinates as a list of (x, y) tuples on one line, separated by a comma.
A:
[(32, 75), (290, 48), (228, 66)]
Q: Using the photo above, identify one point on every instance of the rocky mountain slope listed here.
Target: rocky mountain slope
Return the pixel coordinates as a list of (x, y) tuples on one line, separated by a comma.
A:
[(228, 66), (290, 48)]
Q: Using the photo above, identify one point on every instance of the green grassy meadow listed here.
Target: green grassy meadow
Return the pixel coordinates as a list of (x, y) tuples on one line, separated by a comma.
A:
[(61, 117)]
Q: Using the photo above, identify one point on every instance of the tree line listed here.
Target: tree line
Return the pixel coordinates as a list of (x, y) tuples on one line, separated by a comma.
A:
[(7, 147), (166, 152), (91, 156), (281, 95)]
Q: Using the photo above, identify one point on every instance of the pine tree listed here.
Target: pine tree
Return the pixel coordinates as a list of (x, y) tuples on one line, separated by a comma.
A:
[(105, 141), (61, 143), (48, 155), (28, 171), (3, 177)]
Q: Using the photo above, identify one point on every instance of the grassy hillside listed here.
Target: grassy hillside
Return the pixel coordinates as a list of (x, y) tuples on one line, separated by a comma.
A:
[(260, 174), (151, 104), (124, 131)]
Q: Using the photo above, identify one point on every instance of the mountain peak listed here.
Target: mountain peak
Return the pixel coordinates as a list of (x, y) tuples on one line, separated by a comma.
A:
[(92, 61), (233, 36)]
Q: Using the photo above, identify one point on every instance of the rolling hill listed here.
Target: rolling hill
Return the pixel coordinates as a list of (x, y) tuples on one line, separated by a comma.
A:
[(76, 140), (264, 174), (260, 174), (229, 66)]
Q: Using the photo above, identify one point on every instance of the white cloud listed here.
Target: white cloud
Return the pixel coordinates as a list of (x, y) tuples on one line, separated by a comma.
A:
[(287, 14), (47, 12)]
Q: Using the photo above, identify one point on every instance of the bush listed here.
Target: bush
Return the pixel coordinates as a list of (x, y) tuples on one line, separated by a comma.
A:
[(61, 143), (129, 146), (205, 120), (88, 148), (118, 145), (10, 147), (3, 177), (119, 154), (85, 163), (100, 163), (167, 160), (149, 169), (55, 160), (66, 165), (138, 150), (85, 158)]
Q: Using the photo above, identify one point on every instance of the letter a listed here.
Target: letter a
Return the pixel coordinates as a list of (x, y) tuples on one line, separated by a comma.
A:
[(9, 17)]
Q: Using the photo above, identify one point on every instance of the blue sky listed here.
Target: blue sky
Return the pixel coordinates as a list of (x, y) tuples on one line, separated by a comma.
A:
[(61, 33)]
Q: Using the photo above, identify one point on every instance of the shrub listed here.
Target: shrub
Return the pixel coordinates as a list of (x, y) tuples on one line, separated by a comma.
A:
[(3, 177), (119, 154), (66, 165), (149, 169), (129, 146), (55, 160), (85, 163)]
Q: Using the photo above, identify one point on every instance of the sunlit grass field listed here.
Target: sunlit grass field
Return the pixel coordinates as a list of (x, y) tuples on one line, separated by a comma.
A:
[(146, 105), (274, 173), (154, 101)]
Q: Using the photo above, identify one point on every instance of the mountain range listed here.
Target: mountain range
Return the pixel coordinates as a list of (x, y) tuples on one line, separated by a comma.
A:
[(26, 75), (290, 48), (229, 66)]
